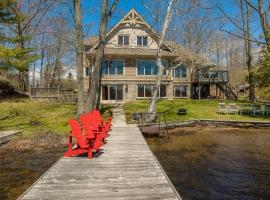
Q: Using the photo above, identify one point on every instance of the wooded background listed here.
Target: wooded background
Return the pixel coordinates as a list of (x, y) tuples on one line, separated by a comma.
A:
[(41, 40)]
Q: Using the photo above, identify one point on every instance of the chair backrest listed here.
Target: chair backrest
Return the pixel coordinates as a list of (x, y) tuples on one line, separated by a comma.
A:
[(97, 115), (232, 105), (77, 131), (94, 123), (222, 106), (88, 127)]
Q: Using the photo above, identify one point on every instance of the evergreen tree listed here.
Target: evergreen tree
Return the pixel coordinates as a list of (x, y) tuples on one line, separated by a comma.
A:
[(13, 52), (262, 74)]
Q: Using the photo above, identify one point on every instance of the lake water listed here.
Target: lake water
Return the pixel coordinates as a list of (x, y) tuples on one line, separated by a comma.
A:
[(216, 162)]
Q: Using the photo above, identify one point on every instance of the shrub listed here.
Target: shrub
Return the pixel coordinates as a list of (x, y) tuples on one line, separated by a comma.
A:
[(6, 88)]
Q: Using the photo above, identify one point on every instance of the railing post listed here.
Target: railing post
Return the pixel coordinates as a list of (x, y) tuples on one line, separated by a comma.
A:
[(58, 94)]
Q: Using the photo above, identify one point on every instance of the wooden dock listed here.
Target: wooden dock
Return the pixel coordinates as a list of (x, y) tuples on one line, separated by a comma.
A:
[(127, 169), (7, 135)]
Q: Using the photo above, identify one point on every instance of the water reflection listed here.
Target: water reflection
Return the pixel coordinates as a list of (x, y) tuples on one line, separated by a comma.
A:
[(217, 162)]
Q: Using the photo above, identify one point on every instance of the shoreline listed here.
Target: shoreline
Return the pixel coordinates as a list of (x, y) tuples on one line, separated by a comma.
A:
[(155, 129)]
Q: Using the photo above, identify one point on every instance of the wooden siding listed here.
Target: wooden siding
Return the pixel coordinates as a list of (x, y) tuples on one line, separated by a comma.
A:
[(132, 32)]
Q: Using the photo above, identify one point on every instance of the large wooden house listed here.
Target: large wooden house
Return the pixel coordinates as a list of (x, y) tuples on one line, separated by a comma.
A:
[(129, 68)]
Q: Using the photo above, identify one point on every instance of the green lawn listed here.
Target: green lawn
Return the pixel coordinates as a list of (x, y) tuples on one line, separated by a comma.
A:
[(35, 117), (197, 109)]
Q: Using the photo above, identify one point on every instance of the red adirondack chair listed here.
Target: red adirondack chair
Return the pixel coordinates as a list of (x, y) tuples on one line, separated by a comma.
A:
[(97, 117), (93, 128), (96, 124), (83, 140)]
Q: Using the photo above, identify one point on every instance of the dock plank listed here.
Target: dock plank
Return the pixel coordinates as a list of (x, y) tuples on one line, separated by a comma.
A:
[(126, 169), (5, 136)]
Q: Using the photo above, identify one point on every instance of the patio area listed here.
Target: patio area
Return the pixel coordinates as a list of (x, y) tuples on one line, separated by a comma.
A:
[(251, 109)]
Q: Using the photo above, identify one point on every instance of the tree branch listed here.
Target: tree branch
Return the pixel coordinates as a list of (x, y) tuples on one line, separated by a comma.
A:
[(239, 36), (112, 9), (252, 6)]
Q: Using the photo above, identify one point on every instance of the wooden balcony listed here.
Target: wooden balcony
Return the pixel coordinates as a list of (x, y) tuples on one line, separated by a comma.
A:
[(211, 77)]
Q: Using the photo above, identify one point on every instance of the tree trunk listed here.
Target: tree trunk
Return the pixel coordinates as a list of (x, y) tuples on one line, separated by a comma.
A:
[(264, 23), (41, 67), (91, 100), (153, 102), (24, 74), (79, 56), (246, 32), (34, 75), (249, 58), (99, 92), (42, 60)]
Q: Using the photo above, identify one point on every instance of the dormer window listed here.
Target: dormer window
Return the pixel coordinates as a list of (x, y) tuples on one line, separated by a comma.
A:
[(142, 41), (123, 40)]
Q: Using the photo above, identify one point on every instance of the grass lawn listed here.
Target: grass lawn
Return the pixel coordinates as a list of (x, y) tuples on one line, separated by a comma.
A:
[(35, 117), (197, 109)]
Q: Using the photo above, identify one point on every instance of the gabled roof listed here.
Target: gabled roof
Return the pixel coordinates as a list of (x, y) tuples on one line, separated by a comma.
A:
[(184, 54), (132, 18)]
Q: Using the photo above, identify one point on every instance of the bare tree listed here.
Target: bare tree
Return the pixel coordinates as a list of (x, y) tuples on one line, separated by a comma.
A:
[(95, 79), (264, 18), (153, 102), (79, 56), (245, 15), (197, 24), (245, 33), (92, 96), (55, 47), (34, 12)]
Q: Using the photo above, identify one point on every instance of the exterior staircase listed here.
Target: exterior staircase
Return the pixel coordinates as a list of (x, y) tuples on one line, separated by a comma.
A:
[(229, 91)]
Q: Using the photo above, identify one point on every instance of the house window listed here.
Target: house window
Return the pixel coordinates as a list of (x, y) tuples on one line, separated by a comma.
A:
[(140, 90), (146, 67), (180, 91), (147, 90), (142, 41), (162, 91), (180, 72), (149, 67), (165, 65), (123, 40), (87, 71), (113, 67), (112, 92)]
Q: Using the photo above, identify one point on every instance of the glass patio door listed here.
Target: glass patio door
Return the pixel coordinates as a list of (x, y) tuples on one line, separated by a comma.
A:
[(112, 92)]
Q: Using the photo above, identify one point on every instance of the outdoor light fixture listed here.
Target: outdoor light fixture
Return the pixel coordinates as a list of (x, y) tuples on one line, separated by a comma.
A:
[(126, 88)]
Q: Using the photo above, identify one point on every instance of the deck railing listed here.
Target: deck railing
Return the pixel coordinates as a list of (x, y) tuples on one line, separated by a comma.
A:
[(211, 76)]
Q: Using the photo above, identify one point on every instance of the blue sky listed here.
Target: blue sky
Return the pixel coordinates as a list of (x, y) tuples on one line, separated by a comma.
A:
[(91, 13)]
